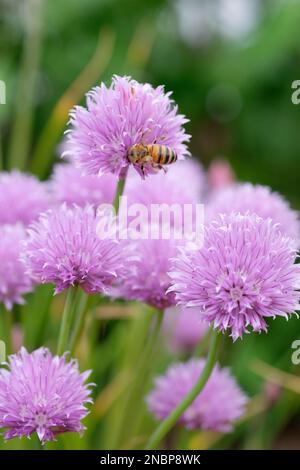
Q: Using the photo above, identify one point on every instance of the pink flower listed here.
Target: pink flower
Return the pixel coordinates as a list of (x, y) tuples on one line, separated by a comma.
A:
[(14, 282), (243, 274), (220, 174), (184, 183), (259, 200), (147, 278), (220, 403), (69, 185), (22, 198), (64, 248), (119, 116), (42, 393), (183, 328)]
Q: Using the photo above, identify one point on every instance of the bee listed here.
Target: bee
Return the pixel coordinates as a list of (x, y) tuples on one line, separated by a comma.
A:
[(154, 154)]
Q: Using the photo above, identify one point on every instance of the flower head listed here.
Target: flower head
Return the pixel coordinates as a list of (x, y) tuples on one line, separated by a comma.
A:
[(22, 198), (243, 274), (256, 199), (183, 328), (69, 185), (64, 248), (147, 278), (14, 282), (118, 117), (219, 404), (43, 394)]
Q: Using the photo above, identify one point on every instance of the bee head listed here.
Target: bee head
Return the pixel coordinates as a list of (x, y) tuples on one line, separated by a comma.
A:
[(132, 155)]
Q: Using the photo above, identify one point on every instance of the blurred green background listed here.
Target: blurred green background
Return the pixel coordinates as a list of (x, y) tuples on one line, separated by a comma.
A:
[(230, 64)]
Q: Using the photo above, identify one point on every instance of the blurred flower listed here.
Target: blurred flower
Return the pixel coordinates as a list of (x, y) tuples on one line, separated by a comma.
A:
[(184, 183), (220, 403), (69, 185), (183, 328), (202, 22), (118, 117), (14, 282), (220, 174), (272, 392), (245, 272), (147, 278), (256, 199), (43, 394), (64, 248), (22, 197), (17, 337)]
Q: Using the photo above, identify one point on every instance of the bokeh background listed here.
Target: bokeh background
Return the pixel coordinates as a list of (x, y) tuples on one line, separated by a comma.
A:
[(230, 65)]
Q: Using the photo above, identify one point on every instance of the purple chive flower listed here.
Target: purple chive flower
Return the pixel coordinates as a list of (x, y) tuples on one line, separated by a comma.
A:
[(43, 394), (64, 248), (147, 278), (256, 199), (69, 185), (14, 282), (183, 328), (220, 403), (119, 116), (243, 274), (22, 198)]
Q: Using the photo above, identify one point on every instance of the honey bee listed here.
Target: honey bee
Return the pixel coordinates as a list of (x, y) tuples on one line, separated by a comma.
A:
[(154, 154)]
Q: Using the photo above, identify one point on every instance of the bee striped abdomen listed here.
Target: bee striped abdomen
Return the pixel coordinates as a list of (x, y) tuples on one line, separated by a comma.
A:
[(162, 154), (173, 156)]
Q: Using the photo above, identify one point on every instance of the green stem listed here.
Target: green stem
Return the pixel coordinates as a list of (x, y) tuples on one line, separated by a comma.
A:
[(66, 321), (80, 317), (22, 128), (146, 359), (135, 338), (5, 328), (135, 396), (173, 417), (119, 192), (35, 316)]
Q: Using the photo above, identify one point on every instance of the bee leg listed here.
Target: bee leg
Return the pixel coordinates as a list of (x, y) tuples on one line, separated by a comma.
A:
[(158, 167)]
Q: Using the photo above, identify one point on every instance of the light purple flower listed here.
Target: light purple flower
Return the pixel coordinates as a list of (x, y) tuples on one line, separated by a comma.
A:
[(243, 274), (65, 248), (183, 328), (184, 183), (22, 197), (119, 116), (69, 185), (42, 393), (147, 278), (220, 403), (14, 282), (256, 199)]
